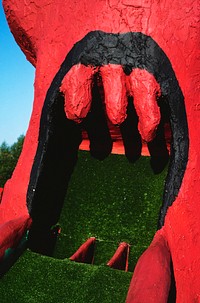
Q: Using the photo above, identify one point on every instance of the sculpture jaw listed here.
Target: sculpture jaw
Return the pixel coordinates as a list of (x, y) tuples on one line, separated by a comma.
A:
[(147, 76)]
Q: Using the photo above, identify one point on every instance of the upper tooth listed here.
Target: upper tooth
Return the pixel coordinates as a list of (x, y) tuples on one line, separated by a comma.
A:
[(114, 80), (77, 90), (145, 91)]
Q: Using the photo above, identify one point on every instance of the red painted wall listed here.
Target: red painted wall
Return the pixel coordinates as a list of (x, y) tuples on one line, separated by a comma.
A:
[(46, 31)]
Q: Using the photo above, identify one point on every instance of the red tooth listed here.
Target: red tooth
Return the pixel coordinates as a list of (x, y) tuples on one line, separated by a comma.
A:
[(145, 91), (152, 277), (77, 90), (114, 83)]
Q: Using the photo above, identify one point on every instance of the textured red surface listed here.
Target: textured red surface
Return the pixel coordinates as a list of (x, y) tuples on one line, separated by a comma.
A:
[(46, 31), (151, 279), (85, 253), (11, 232), (145, 90), (77, 89), (120, 258), (1, 193), (114, 83)]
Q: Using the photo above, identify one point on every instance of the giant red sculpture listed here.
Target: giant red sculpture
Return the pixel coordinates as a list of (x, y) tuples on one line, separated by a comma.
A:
[(143, 48)]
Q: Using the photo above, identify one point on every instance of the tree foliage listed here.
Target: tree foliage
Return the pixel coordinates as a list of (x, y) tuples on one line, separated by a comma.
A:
[(8, 159)]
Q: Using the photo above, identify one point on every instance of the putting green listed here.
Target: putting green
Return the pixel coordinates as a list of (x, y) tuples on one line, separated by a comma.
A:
[(111, 200)]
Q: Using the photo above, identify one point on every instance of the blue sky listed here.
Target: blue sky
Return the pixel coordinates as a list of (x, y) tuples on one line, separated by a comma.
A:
[(16, 86)]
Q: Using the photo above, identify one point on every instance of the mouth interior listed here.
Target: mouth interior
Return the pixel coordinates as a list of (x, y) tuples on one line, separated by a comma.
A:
[(118, 198), (110, 197), (57, 154)]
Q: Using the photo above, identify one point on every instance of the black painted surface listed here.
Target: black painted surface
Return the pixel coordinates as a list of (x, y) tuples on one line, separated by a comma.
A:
[(96, 125), (158, 147), (130, 134), (54, 162), (59, 138)]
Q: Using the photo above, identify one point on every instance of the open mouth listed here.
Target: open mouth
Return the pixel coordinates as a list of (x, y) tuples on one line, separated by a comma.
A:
[(126, 78)]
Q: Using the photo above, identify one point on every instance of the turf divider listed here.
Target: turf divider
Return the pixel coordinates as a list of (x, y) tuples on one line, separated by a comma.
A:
[(85, 253), (120, 259)]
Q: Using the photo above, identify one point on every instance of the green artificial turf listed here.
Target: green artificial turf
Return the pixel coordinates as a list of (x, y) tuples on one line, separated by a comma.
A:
[(41, 279), (111, 200), (114, 201)]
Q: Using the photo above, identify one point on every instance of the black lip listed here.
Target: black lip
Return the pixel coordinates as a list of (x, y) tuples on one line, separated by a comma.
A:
[(55, 157)]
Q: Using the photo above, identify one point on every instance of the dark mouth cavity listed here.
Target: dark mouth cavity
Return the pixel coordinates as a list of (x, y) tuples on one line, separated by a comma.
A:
[(59, 138)]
